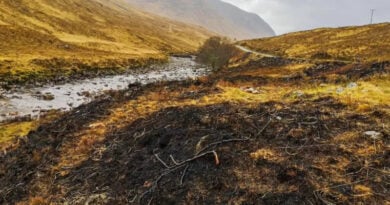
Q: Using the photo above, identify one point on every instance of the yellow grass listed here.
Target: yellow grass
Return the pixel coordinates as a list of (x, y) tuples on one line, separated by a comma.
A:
[(369, 93), (274, 72), (365, 43), (267, 154), (3, 23), (13, 130), (88, 31)]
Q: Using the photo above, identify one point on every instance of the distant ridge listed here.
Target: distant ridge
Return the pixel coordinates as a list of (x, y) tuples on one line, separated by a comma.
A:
[(215, 15)]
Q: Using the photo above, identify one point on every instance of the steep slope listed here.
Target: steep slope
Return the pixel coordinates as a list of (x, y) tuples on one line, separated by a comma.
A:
[(215, 15), (363, 43), (78, 33)]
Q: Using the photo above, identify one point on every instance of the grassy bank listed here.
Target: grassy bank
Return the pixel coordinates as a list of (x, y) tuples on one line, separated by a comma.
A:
[(360, 44), (59, 70)]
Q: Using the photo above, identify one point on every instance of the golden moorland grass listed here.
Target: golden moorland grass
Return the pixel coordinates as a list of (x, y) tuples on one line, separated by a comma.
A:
[(86, 33), (363, 43)]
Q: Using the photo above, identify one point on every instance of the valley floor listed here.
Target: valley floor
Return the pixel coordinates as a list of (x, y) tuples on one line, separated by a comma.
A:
[(268, 131)]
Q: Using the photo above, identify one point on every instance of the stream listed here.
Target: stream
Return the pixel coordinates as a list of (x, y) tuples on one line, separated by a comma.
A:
[(33, 102)]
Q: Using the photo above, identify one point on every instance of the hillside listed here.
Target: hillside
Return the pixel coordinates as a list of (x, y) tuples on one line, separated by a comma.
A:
[(215, 15), (40, 35), (363, 43), (269, 130)]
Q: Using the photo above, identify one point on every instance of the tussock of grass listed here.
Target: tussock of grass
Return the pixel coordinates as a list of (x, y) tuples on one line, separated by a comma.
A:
[(10, 131), (13, 130), (266, 154)]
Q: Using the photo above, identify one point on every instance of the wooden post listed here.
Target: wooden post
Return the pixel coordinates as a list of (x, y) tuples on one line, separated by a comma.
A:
[(372, 15)]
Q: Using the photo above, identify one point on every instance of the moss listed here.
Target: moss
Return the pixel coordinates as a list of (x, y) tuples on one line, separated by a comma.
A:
[(11, 131)]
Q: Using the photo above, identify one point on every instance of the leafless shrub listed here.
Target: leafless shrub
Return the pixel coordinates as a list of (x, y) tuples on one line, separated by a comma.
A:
[(216, 52)]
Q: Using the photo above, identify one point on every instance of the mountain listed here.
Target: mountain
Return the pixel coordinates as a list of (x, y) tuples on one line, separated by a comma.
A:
[(215, 15), (364, 43), (39, 35)]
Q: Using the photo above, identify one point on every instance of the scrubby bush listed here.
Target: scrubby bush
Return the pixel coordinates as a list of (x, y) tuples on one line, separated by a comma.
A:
[(216, 52)]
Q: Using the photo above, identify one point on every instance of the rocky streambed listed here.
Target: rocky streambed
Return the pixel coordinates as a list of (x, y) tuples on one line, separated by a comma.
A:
[(26, 102)]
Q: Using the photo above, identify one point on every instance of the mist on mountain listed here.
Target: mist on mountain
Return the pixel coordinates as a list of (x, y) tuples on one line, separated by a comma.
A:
[(214, 15)]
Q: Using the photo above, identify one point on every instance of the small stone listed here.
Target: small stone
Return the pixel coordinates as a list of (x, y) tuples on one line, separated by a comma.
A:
[(85, 94), (16, 97), (339, 90), (48, 97), (2, 93), (13, 113), (205, 119), (352, 85), (373, 135), (251, 90), (299, 93), (322, 85)]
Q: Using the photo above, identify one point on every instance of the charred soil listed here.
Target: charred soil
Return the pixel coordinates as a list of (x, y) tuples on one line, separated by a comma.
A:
[(302, 151)]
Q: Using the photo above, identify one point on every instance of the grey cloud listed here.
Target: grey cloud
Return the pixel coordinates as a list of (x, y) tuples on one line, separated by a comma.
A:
[(294, 15)]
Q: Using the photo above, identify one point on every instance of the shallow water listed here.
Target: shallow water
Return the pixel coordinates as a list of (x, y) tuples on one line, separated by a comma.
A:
[(30, 102)]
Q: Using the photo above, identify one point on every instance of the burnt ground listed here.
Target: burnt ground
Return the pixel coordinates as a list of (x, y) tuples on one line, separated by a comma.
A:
[(324, 72), (225, 153), (350, 71), (129, 167)]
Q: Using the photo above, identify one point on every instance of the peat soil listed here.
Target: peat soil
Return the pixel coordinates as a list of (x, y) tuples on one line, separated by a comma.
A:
[(207, 155), (225, 153)]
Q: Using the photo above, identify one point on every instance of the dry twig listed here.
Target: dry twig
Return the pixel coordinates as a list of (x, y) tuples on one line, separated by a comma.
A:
[(178, 165)]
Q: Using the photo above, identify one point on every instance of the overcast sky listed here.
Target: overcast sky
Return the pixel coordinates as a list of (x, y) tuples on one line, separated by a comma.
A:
[(294, 15)]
